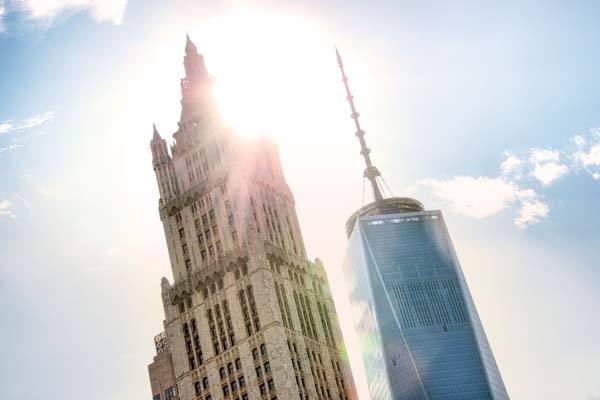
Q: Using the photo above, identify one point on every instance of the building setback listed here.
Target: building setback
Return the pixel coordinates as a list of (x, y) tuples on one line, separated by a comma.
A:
[(248, 316), (421, 337)]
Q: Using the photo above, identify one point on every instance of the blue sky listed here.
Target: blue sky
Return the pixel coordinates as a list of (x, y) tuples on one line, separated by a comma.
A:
[(489, 112)]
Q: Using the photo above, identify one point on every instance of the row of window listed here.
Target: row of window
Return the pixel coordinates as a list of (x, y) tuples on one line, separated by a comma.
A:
[(170, 394)]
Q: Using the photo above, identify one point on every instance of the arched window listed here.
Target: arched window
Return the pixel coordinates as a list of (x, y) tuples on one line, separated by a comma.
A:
[(230, 368), (198, 387), (263, 349), (222, 372), (255, 353), (205, 382), (238, 364)]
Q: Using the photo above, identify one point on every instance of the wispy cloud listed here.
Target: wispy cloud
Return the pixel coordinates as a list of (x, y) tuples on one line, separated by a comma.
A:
[(5, 209), (2, 12), (546, 165), (587, 153), (48, 10), (10, 126), (9, 148), (513, 188), (482, 197)]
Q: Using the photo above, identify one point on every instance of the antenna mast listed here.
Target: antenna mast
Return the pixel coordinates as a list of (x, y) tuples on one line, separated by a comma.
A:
[(371, 172)]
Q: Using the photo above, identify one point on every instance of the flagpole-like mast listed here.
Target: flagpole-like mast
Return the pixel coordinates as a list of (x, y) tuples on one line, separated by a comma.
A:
[(371, 172)]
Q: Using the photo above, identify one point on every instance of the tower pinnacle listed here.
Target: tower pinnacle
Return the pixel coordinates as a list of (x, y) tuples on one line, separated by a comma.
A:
[(155, 134), (371, 172)]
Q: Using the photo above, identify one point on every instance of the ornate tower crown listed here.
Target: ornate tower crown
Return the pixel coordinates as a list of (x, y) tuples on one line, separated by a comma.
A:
[(196, 87)]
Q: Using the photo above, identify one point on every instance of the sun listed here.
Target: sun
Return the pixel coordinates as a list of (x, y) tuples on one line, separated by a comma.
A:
[(271, 70)]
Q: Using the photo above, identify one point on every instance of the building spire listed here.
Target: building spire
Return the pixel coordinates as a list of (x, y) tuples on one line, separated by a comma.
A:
[(155, 134), (371, 172)]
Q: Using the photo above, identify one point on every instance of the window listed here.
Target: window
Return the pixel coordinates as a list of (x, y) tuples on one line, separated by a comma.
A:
[(203, 255), (263, 389), (222, 372), (258, 371), (238, 364), (255, 353), (157, 397), (186, 329), (263, 349), (181, 233), (230, 368), (205, 382), (233, 386), (244, 396), (225, 390), (271, 385), (198, 387), (267, 366), (192, 362), (170, 393), (242, 382)]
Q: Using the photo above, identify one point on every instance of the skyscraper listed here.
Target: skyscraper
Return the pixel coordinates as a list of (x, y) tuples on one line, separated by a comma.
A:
[(248, 316), (421, 336)]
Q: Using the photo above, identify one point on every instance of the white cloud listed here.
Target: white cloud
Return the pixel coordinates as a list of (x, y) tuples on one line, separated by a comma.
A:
[(101, 10), (2, 12), (578, 140), (544, 155), (474, 197), (9, 126), (546, 165), (9, 147), (587, 155), (5, 207), (592, 157), (511, 164), (530, 213), (483, 197)]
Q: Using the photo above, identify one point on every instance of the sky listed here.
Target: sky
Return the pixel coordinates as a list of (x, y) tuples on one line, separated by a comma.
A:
[(487, 111)]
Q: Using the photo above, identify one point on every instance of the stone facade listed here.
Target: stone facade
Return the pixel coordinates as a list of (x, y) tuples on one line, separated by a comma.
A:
[(248, 316), (162, 374)]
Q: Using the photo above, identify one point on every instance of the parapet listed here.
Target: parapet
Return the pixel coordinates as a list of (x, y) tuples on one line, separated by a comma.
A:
[(392, 205)]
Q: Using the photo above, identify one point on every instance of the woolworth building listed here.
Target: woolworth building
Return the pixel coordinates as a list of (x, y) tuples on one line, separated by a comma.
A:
[(247, 316)]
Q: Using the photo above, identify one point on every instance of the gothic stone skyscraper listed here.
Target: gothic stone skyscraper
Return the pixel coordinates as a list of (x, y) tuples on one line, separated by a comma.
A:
[(248, 316), (421, 336)]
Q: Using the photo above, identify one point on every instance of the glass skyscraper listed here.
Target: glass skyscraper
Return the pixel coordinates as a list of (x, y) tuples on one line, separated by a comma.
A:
[(420, 333)]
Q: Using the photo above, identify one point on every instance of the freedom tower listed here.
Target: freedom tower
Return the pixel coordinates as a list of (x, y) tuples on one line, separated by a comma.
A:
[(421, 337)]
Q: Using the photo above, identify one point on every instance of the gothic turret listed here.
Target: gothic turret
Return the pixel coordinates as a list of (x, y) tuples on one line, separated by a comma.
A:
[(161, 161)]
